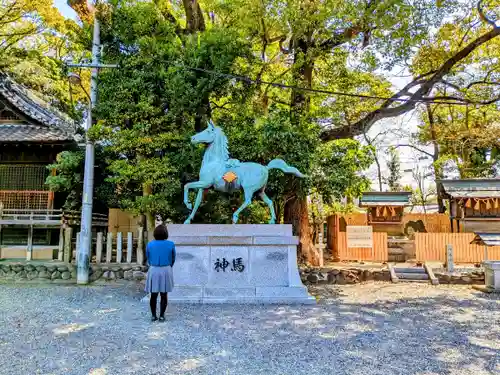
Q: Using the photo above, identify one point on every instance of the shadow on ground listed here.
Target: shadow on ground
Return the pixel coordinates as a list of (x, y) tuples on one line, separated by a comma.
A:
[(106, 331)]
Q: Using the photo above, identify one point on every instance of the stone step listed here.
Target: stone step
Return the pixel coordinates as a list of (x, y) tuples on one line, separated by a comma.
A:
[(410, 270), (412, 276), (396, 251), (397, 258)]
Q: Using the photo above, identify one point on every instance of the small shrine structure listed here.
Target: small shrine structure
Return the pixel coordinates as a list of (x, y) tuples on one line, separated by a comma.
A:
[(385, 210), (474, 204)]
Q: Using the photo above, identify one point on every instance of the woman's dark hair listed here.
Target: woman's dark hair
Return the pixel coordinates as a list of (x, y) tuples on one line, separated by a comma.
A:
[(160, 232)]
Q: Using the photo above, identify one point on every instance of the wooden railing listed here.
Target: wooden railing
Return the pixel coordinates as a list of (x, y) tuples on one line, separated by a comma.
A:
[(125, 248), (29, 199), (47, 217)]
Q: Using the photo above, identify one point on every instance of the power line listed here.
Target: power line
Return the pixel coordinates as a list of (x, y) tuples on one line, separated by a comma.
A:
[(319, 91)]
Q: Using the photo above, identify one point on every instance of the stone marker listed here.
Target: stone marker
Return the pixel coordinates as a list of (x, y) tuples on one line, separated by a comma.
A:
[(450, 265), (492, 275)]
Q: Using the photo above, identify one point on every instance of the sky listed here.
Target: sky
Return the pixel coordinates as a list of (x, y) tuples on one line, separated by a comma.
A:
[(409, 122), (65, 9)]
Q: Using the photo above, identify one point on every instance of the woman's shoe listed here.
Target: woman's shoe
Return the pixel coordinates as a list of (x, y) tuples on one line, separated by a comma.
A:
[(162, 318), (154, 319)]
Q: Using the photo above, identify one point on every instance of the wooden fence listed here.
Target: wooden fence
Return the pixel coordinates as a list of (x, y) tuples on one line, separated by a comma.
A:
[(122, 248), (434, 223), (379, 252), (432, 247), (358, 218)]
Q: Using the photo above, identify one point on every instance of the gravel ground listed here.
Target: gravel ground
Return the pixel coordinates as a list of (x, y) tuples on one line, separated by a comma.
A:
[(361, 329)]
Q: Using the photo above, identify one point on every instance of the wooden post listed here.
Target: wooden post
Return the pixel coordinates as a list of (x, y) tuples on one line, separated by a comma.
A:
[(60, 253), (140, 245), (68, 251), (336, 231), (29, 253), (98, 250), (119, 244), (320, 242), (130, 246), (485, 253), (109, 247)]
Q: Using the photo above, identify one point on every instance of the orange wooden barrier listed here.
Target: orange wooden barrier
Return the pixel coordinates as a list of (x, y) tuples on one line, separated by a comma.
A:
[(432, 247), (434, 223), (379, 252), (357, 218)]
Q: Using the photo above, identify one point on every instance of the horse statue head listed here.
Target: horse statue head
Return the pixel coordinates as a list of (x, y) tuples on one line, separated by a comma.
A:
[(207, 136), (216, 140)]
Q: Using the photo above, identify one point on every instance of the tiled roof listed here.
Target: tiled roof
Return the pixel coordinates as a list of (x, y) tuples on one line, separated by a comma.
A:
[(31, 133), (472, 188), (48, 123), (486, 239), (376, 198)]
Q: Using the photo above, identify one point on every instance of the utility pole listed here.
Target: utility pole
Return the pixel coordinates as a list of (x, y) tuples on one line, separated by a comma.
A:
[(83, 251)]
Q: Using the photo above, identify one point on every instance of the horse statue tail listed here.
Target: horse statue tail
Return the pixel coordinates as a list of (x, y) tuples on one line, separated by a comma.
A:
[(283, 166)]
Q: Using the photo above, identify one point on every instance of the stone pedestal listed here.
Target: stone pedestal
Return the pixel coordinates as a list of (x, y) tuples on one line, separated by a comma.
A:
[(236, 264), (492, 274)]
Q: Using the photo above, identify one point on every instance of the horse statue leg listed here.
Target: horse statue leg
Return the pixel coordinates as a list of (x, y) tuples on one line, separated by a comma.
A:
[(200, 185), (199, 196), (248, 201), (270, 204)]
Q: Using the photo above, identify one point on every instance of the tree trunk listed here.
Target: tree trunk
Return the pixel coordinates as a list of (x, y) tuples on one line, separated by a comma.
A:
[(194, 16), (196, 23), (379, 172), (297, 214), (147, 190), (438, 172), (302, 77), (296, 209)]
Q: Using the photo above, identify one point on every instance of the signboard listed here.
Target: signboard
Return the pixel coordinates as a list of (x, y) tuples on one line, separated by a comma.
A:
[(359, 236)]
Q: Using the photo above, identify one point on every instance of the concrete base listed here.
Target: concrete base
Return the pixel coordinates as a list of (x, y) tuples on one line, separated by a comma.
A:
[(236, 264), (492, 274)]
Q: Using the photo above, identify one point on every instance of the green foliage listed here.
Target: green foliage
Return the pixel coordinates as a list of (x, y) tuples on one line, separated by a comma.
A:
[(337, 167), (394, 167), (36, 38), (69, 168), (149, 108)]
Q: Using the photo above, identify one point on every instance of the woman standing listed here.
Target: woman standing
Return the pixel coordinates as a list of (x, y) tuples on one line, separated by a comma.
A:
[(160, 254)]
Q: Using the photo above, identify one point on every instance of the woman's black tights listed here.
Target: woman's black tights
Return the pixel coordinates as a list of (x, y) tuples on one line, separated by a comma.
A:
[(163, 303)]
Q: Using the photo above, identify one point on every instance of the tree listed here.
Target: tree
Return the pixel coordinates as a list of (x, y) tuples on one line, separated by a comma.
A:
[(470, 39), (69, 168), (34, 40), (332, 45), (394, 167), (422, 195), (150, 107), (463, 133)]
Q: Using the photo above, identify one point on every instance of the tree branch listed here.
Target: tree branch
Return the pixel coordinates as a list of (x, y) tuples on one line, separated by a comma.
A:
[(386, 111), (483, 15), (415, 148)]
